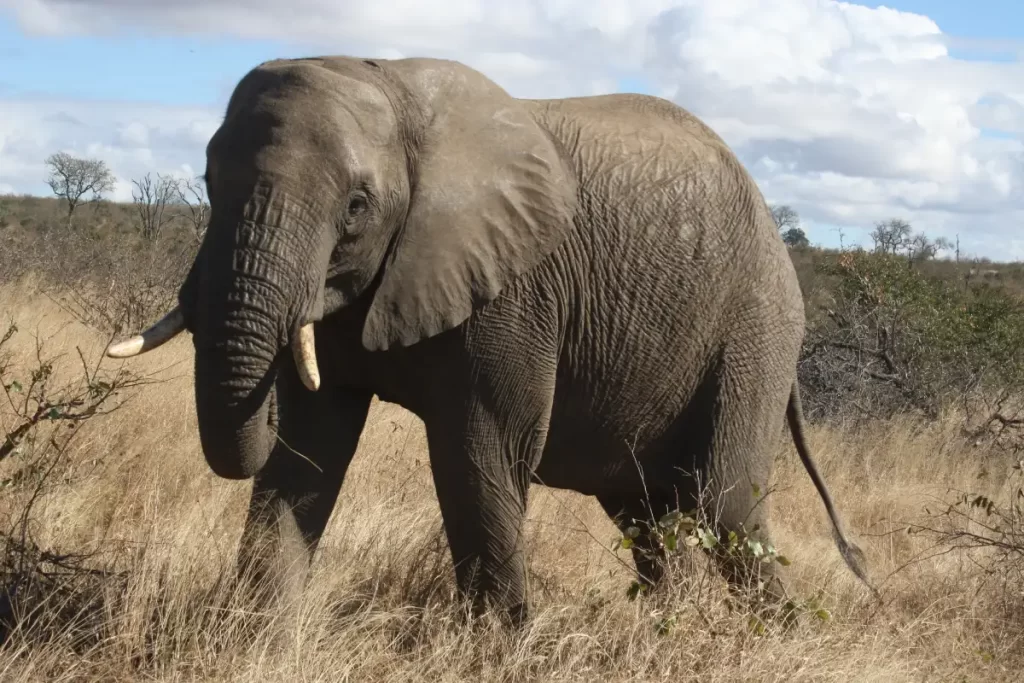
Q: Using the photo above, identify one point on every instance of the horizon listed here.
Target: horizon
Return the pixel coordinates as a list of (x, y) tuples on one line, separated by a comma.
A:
[(851, 113)]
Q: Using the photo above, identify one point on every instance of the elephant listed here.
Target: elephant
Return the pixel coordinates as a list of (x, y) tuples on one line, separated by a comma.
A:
[(586, 293)]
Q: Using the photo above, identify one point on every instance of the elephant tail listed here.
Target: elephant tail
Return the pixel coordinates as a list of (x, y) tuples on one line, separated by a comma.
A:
[(852, 554)]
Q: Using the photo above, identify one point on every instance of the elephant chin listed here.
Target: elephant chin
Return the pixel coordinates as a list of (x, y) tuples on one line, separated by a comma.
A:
[(236, 432)]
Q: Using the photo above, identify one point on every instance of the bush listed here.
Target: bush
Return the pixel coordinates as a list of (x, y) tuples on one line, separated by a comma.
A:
[(45, 592), (116, 283), (893, 341)]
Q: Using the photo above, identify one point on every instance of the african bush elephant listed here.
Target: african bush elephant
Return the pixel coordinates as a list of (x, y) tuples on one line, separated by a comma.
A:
[(588, 293)]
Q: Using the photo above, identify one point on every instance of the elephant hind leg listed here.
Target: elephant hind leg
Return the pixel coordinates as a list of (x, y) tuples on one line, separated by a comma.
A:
[(643, 512), (745, 432), (651, 559), (738, 563)]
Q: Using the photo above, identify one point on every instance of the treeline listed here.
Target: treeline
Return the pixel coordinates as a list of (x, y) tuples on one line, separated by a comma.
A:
[(900, 328)]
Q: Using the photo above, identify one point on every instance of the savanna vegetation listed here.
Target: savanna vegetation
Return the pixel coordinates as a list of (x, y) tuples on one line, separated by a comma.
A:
[(117, 543)]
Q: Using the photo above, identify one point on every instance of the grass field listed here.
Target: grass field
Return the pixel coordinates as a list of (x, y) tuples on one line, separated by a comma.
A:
[(134, 495), (118, 550)]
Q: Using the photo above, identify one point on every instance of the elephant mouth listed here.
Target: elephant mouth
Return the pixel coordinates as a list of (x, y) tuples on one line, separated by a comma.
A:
[(303, 345), (238, 417)]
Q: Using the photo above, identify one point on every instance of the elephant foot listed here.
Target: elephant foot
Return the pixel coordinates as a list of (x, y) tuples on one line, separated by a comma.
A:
[(482, 613), (762, 591)]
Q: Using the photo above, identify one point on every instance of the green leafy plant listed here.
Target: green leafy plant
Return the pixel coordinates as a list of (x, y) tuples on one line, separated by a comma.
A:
[(678, 533)]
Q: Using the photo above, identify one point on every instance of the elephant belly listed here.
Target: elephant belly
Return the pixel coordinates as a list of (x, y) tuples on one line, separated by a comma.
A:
[(580, 462), (627, 437)]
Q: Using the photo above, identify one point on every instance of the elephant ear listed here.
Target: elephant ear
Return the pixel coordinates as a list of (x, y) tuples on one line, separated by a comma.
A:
[(491, 196)]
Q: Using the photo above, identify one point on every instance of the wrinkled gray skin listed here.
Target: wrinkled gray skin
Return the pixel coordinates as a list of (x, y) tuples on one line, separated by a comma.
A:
[(566, 292)]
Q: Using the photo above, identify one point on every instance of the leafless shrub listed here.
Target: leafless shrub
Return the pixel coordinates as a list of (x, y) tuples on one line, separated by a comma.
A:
[(43, 591), (151, 200), (193, 196), (114, 287), (132, 296), (989, 530)]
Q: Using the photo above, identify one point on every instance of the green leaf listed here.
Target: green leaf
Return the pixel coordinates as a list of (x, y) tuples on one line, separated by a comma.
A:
[(15, 386), (53, 414), (783, 560), (632, 532), (823, 614), (626, 543), (664, 626), (634, 590), (671, 542), (757, 491), (708, 539), (670, 519)]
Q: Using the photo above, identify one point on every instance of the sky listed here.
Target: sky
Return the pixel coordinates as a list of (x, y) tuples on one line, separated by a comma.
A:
[(851, 113)]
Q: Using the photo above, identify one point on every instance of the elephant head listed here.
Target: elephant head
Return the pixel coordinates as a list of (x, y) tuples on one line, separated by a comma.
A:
[(417, 187)]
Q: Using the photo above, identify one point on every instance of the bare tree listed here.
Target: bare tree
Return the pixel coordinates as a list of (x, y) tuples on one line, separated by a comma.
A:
[(895, 236), (921, 248), (72, 178), (891, 236), (151, 200), (192, 195), (785, 216)]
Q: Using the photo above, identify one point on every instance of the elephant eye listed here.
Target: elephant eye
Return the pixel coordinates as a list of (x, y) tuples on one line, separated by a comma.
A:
[(356, 205)]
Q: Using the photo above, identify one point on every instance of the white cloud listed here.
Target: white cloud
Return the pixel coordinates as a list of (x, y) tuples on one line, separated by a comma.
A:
[(851, 114), (131, 138)]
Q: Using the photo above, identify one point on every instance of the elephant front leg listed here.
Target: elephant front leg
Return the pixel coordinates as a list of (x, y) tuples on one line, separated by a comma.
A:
[(482, 477), (295, 493)]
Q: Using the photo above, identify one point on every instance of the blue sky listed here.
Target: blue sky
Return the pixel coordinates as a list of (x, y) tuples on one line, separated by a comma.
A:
[(139, 84), (204, 68), (993, 19)]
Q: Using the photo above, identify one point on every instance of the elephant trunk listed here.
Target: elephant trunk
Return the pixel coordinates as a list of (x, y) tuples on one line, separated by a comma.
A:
[(247, 299), (235, 371)]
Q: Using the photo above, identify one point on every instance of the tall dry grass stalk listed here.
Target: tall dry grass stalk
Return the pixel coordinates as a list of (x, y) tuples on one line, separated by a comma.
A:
[(137, 499)]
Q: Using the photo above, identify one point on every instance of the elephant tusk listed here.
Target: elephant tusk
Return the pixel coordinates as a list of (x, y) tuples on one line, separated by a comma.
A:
[(161, 332), (304, 351)]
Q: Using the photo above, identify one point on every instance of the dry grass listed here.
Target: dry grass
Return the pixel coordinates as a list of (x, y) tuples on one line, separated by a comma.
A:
[(137, 495)]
